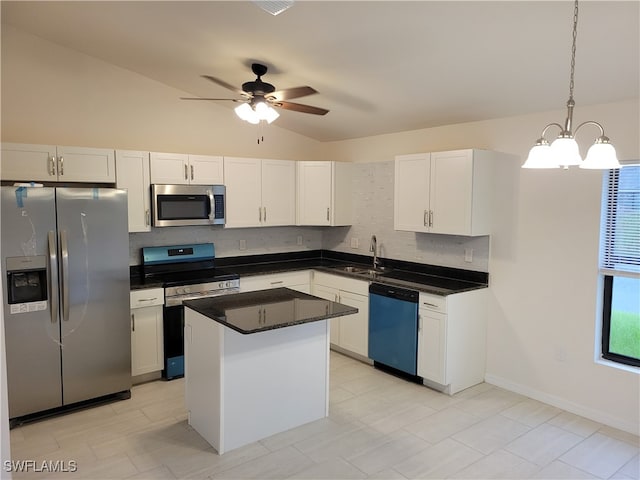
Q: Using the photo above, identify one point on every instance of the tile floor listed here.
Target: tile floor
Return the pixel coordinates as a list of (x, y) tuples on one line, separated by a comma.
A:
[(379, 427)]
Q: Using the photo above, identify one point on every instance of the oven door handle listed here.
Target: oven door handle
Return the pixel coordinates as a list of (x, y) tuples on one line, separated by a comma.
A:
[(172, 301)]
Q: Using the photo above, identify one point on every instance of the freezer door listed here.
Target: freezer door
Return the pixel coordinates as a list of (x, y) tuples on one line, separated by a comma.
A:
[(32, 326), (94, 291)]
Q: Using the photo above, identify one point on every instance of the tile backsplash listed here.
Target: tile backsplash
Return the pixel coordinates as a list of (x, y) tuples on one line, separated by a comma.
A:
[(372, 215)]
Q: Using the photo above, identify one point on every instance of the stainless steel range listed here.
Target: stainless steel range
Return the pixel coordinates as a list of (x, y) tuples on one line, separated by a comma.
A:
[(186, 272)]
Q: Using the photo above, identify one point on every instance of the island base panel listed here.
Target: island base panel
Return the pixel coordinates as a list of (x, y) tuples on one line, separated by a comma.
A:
[(247, 387)]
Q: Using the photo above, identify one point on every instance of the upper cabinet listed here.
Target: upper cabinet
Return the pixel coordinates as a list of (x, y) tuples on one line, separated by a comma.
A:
[(51, 163), (324, 193), (185, 169), (259, 192), (132, 174), (444, 192)]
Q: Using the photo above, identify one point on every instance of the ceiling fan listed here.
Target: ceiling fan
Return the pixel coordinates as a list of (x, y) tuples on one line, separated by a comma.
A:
[(258, 96)]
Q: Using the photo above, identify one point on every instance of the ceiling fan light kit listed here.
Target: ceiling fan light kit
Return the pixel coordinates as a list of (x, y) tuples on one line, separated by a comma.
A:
[(255, 112), (564, 151)]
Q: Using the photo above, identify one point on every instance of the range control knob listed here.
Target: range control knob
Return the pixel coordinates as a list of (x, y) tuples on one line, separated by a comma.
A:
[(187, 290), (179, 291), (221, 285)]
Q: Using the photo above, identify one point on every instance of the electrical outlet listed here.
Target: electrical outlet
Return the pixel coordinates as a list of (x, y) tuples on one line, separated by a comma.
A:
[(242, 245), (355, 243), (299, 240), (468, 255)]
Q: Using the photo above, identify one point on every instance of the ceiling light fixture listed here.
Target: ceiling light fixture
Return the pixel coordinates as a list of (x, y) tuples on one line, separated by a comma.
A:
[(256, 111), (274, 7), (564, 151)]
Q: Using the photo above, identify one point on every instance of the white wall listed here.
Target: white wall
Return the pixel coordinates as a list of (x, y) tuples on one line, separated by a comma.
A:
[(543, 263), (53, 95)]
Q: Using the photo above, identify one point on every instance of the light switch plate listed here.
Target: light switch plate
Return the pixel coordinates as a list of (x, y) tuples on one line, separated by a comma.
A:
[(355, 243)]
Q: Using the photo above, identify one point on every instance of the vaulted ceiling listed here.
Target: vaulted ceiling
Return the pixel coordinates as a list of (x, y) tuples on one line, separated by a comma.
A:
[(378, 66)]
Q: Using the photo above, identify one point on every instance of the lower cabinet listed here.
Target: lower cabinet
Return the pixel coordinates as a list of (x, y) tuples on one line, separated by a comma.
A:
[(147, 353), (452, 340), (351, 332)]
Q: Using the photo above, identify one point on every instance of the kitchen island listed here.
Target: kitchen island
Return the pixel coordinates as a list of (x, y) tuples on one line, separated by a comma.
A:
[(256, 363)]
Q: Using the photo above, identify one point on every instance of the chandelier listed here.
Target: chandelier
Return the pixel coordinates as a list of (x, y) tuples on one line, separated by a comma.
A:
[(564, 151)]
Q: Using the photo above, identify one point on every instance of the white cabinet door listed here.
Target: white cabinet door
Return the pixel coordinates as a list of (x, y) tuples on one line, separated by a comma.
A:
[(206, 170), (451, 188), (79, 164), (354, 329), (132, 174), (56, 163), (146, 340), (243, 179), (411, 192), (170, 168), (278, 192), (445, 192), (314, 193), (324, 193), (432, 344), (147, 352), (329, 293), (26, 162)]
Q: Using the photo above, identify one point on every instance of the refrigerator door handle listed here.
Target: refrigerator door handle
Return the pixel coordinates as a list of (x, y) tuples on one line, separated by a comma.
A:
[(64, 253), (53, 276)]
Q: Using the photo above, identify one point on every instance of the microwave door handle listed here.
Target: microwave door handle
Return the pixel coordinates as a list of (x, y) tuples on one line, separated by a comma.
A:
[(212, 210), (53, 277)]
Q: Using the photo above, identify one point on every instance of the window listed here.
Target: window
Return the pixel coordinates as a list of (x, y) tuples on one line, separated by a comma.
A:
[(620, 265)]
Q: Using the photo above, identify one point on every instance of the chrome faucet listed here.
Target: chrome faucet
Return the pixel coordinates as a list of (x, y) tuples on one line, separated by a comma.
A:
[(373, 247)]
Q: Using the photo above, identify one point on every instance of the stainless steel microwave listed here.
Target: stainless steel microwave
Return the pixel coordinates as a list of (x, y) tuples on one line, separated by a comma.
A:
[(182, 205)]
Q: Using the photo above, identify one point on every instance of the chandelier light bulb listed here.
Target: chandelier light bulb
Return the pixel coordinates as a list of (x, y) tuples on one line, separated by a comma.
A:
[(601, 155), (540, 156), (565, 152)]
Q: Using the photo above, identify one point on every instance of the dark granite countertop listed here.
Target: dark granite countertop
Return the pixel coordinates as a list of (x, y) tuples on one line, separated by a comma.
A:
[(424, 278), (252, 312)]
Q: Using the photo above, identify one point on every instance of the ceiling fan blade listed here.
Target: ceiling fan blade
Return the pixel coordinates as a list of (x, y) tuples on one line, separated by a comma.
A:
[(298, 107), (216, 99), (224, 84), (295, 92)]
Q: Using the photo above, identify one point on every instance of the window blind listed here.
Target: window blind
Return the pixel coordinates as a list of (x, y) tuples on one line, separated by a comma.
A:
[(620, 242)]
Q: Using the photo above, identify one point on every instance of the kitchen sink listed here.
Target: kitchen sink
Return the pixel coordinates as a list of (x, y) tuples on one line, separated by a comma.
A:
[(360, 270)]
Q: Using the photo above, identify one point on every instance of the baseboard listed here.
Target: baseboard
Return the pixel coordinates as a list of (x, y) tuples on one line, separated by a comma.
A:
[(591, 414)]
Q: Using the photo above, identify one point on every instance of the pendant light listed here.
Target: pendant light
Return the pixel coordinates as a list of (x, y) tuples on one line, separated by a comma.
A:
[(564, 151)]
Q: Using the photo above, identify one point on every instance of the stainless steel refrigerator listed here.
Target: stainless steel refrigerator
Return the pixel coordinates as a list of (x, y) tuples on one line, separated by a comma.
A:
[(65, 268)]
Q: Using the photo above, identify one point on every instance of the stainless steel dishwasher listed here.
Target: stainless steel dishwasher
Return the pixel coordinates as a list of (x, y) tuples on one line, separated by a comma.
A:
[(393, 327)]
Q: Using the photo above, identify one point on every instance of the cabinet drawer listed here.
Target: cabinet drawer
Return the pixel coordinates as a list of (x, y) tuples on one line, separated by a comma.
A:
[(147, 297), (434, 303), (361, 287), (275, 280)]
